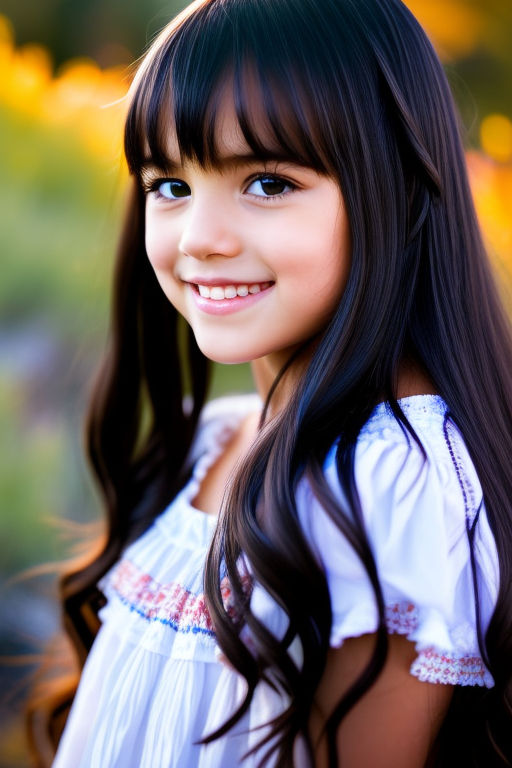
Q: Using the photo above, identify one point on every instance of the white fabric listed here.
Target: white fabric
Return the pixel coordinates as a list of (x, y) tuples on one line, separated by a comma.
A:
[(153, 683)]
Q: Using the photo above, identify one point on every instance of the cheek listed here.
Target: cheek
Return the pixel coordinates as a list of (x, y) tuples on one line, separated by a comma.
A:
[(335, 258), (322, 256), (160, 245)]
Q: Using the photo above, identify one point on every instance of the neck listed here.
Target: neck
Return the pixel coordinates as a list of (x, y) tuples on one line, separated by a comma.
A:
[(412, 378), (282, 371)]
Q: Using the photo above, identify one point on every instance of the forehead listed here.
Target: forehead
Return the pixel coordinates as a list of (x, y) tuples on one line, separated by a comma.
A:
[(241, 113), (229, 145), (271, 68), (228, 135), (228, 138)]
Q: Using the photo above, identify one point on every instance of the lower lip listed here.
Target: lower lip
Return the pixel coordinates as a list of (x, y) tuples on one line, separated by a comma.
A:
[(227, 306)]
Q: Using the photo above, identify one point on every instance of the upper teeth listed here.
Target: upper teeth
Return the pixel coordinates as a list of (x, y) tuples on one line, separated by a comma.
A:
[(218, 292)]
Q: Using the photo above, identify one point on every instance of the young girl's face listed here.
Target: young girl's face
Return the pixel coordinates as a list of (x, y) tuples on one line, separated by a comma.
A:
[(254, 254)]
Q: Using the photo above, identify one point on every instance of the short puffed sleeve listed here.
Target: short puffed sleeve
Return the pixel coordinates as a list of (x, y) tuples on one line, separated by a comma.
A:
[(420, 512)]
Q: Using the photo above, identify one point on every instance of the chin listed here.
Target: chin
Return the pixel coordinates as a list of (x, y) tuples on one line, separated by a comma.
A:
[(225, 358), (228, 354)]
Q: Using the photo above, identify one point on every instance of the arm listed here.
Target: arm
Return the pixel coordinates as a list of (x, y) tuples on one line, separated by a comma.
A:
[(395, 724)]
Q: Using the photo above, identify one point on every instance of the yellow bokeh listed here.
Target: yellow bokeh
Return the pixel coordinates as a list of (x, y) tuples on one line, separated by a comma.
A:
[(81, 98), (496, 137), (454, 28), (492, 191)]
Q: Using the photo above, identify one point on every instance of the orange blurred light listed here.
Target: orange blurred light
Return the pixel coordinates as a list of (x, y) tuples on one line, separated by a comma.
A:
[(454, 28), (491, 185), (82, 99), (496, 137), (6, 31)]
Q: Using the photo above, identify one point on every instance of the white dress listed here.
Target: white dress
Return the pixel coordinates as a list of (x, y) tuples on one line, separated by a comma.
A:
[(154, 684)]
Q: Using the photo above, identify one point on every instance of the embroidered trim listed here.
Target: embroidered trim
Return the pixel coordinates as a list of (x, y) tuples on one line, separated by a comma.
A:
[(468, 492), (431, 666), (423, 408), (401, 618), (182, 610), (170, 604)]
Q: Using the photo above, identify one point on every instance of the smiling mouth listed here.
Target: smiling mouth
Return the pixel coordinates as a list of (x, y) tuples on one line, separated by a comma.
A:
[(221, 292)]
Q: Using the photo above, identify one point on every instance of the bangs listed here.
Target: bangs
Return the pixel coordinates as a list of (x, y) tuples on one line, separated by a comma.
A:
[(229, 49)]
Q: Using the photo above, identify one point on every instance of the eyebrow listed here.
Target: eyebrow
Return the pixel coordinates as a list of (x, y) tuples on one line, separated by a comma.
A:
[(225, 162)]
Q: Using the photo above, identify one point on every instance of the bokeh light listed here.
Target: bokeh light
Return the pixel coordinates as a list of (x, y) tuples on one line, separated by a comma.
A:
[(496, 137)]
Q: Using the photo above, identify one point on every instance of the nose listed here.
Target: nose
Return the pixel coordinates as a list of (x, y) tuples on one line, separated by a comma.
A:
[(209, 228)]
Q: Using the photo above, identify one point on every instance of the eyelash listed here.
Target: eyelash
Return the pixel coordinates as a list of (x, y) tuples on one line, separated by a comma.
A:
[(152, 187)]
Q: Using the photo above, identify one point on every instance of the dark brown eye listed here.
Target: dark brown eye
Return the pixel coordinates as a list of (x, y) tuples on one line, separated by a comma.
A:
[(172, 188), (272, 186), (268, 186)]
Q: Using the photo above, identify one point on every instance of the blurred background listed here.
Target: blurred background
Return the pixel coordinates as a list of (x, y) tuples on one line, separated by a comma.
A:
[(64, 67)]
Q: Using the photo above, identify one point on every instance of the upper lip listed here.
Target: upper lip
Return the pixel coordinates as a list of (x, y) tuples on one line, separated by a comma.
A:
[(222, 281)]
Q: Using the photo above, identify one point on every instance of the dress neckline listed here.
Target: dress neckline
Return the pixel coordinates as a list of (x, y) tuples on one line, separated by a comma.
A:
[(429, 404), (217, 439), (222, 432)]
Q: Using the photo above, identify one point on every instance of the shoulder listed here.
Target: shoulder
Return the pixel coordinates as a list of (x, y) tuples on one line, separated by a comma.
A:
[(420, 504), (393, 471), (396, 474), (433, 481)]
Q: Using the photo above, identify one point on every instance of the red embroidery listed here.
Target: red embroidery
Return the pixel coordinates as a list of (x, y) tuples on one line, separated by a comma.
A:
[(169, 603), (185, 611), (401, 618), (430, 665)]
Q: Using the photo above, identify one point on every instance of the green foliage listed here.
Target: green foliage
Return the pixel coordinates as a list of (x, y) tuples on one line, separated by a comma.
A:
[(59, 221), (29, 495), (60, 214)]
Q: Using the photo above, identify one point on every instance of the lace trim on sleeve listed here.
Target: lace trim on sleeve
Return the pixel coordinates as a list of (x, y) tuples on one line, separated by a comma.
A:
[(433, 665)]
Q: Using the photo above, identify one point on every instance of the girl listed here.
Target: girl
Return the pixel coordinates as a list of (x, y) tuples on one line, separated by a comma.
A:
[(318, 574)]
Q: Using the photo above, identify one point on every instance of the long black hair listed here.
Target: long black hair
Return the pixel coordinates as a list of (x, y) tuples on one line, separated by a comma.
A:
[(354, 90)]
